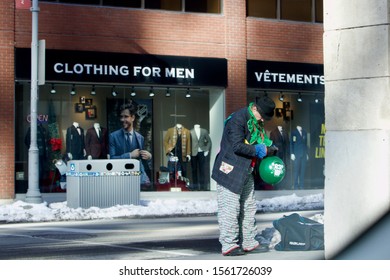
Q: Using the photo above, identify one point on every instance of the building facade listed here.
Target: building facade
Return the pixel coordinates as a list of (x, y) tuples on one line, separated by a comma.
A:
[(184, 63)]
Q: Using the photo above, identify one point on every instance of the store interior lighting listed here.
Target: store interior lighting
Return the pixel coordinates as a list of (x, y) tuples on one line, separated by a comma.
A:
[(113, 92), (93, 91), (168, 93), (151, 93), (316, 99), (188, 94), (53, 90), (299, 98), (281, 97), (133, 93), (73, 91)]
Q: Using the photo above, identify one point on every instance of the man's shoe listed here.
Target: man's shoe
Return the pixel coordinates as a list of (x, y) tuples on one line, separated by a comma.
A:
[(234, 252), (261, 248)]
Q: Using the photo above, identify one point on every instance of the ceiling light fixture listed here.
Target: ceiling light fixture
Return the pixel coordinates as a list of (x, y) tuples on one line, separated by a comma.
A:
[(281, 97), (188, 94), (93, 91), (53, 90), (299, 98), (168, 93), (151, 93), (73, 91), (133, 93), (113, 92)]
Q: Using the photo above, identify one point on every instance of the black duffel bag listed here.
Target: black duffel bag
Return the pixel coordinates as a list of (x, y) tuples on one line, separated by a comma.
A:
[(299, 233)]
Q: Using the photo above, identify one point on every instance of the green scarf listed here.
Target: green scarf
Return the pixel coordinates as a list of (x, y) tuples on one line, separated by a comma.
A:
[(256, 128)]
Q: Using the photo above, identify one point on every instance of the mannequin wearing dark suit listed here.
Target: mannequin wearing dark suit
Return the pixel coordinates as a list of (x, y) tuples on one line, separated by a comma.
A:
[(96, 142), (200, 147), (280, 139), (75, 144), (299, 156)]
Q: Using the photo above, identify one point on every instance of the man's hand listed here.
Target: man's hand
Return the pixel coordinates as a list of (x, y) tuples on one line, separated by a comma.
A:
[(145, 154)]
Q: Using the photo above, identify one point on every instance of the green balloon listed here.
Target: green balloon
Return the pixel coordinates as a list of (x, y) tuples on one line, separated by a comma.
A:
[(272, 170)]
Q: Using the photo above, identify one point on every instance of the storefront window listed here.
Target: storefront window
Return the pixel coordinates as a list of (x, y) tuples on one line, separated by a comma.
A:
[(298, 130), (174, 167)]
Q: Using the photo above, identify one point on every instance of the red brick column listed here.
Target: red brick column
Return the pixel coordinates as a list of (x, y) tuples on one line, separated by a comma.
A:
[(7, 91), (235, 34)]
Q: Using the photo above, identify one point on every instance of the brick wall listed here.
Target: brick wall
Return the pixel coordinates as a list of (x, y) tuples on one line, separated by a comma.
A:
[(7, 147), (74, 27)]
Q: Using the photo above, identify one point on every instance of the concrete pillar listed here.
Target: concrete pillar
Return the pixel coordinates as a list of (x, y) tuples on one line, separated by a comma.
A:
[(357, 118)]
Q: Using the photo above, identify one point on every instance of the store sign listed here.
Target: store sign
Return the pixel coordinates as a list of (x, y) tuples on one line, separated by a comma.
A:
[(285, 75), (119, 68)]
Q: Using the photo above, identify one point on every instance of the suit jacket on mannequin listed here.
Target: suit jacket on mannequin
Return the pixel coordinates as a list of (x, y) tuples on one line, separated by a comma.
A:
[(299, 142), (96, 145), (170, 140), (75, 144), (203, 143), (281, 140)]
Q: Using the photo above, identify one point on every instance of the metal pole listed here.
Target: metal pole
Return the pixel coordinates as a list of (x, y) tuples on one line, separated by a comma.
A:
[(33, 194)]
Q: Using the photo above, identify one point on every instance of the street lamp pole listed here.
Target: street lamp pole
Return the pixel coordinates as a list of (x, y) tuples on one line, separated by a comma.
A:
[(33, 194)]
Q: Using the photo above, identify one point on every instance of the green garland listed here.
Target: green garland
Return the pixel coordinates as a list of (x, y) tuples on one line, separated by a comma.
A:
[(256, 128)]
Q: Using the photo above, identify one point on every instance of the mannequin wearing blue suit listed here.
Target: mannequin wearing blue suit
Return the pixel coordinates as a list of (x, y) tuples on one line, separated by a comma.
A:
[(299, 156)]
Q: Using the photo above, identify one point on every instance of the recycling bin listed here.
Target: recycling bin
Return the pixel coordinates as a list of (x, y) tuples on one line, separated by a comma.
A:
[(103, 183)]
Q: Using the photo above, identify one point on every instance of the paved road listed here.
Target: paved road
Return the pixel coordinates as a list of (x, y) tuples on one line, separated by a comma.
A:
[(126, 239)]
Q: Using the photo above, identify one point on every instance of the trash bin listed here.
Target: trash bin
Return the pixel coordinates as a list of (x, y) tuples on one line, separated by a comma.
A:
[(103, 183)]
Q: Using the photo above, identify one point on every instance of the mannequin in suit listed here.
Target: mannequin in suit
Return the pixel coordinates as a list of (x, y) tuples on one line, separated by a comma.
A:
[(96, 142), (200, 147), (177, 142), (299, 155), (281, 140), (75, 144)]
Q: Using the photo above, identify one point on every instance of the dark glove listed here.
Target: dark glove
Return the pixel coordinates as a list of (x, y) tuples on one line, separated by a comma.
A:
[(272, 150), (261, 150)]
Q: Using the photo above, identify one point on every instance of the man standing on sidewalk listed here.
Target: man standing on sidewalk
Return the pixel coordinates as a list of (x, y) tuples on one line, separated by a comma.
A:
[(243, 142)]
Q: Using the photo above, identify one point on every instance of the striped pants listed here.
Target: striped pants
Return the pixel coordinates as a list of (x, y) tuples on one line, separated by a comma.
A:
[(236, 217)]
